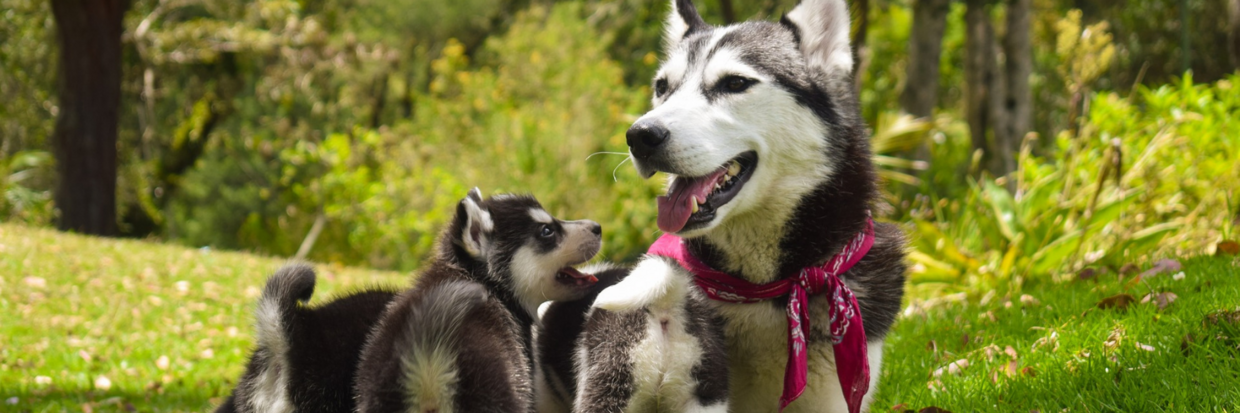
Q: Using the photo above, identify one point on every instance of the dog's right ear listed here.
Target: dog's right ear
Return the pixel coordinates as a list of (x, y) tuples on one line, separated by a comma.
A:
[(473, 225), (681, 22)]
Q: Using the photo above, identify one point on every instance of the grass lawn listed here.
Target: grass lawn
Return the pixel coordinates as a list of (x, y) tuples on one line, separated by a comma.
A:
[(106, 325)]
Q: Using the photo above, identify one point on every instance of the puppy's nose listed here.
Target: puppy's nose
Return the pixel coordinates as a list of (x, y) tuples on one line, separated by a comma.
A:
[(644, 138), (595, 228)]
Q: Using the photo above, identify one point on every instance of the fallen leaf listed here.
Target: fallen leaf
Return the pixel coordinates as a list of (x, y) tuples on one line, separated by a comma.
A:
[(1028, 300), (1119, 302), (1011, 368), (102, 383), (1223, 316), (1028, 371), (1113, 339), (933, 409), (899, 407), (931, 346), (1011, 352), (84, 355), (1162, 266), (955, 367), (1145, 347), (35, 282), (1162, 300), (1129, 269), (935, 385), (1087, 274), (1229, 247)]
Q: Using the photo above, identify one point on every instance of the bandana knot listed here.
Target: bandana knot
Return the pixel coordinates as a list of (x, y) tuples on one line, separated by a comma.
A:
[(846, 330)]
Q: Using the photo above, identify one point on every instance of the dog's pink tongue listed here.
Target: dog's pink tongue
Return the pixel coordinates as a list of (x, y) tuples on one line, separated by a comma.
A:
[(676, 207)]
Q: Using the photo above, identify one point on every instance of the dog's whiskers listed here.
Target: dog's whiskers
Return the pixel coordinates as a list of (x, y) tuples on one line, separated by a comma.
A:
[(606, 153), (613, 170)]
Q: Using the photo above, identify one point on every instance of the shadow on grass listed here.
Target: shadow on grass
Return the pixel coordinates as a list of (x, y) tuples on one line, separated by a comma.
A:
[(171, 399)]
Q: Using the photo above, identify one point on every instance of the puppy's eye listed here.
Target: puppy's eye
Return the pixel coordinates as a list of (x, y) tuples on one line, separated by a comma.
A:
[(736, 84), (546, 231), (660, 87)]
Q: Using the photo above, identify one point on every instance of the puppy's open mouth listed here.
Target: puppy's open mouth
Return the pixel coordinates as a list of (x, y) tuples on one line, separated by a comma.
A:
[(691, 202), (570, 276)]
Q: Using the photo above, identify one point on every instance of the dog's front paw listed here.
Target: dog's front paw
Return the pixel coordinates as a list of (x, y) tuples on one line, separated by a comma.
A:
[(654, 282)]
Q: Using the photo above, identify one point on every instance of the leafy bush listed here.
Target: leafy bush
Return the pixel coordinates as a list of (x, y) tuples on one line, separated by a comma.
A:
[(1144, 179), (528, 120)]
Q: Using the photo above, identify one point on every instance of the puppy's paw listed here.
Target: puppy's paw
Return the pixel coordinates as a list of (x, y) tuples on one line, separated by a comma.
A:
[(654, 282)]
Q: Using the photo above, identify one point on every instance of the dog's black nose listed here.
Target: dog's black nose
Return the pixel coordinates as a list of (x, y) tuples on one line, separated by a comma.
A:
[(596, 228), (645, 137)]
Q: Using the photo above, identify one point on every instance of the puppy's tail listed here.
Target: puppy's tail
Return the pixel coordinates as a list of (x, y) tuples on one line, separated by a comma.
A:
[(290, 286), (654, 283), (430, 339)]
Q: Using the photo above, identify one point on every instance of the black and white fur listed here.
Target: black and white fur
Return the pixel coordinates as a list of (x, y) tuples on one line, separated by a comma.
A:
[(668, 358), (777, 98), (306, 356), (459, 341)]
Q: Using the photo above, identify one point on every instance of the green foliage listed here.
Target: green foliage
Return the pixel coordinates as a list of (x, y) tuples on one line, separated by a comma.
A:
[(1141, 181), (528, 120), (21, 177)]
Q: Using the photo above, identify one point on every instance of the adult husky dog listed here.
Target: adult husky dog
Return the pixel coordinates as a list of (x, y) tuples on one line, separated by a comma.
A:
[(758, 128)]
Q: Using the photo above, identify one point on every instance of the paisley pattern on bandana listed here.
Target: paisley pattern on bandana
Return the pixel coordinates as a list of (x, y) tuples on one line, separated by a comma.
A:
[(846, 330)]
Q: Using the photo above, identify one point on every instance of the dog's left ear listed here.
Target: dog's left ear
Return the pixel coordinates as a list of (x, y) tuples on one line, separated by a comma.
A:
[(681, 22), (473, 225), (821, 28)]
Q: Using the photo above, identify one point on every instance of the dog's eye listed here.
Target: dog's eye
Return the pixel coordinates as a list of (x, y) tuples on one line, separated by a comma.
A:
[(736, 84), (660, 87), (546, 231)]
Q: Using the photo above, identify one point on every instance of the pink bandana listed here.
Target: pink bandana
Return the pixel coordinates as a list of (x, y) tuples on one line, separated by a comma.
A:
[(847, 335)]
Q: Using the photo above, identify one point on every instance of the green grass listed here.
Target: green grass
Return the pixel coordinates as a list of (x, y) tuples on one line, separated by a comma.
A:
[(109, 308), (113, 308), (1148, 366)]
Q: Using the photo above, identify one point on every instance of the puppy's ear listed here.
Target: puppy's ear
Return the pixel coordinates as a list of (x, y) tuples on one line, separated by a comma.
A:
[(472, 225), (821, 28), (681, 22)]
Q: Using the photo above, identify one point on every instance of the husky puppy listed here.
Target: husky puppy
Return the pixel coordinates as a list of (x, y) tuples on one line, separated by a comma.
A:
[(669, 358), (459, 341), (758, 129), (306, 356)]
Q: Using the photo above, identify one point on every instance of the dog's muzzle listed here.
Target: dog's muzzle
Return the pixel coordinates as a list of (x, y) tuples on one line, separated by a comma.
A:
[(645, 139)]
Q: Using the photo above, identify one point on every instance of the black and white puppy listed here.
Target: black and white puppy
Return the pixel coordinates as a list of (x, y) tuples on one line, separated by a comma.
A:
[(306, 356), (459, 341), (671, 357)]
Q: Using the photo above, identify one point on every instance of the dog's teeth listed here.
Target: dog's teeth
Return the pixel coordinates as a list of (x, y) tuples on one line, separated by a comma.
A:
[(734, 168), (695, 206)]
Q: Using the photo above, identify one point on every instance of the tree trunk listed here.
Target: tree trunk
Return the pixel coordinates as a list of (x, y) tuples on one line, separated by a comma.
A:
[(1018, 66), (861, 52), (1233, 10), (924, 49), (89, 89), (729, 14), (977, 76)]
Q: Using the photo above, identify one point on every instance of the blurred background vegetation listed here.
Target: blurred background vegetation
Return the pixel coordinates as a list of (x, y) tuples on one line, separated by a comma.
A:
[(1018, 138)]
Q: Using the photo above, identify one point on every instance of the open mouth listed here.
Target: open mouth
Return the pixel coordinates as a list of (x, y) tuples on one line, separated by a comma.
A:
[(691, 202), (570, 276)]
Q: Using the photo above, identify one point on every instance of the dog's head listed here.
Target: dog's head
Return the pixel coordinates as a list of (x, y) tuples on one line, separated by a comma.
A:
[(748, 118), (524, 248)]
